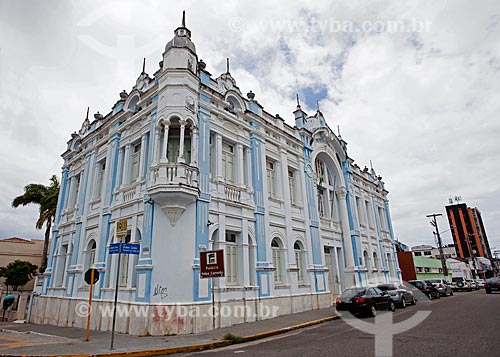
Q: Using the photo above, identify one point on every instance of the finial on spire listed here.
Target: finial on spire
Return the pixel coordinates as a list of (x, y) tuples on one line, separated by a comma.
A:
[(317, 105), (144, 65), (183, 18), (338, 129), (87, 117), (298, 102), (371, 166), (227, 65)]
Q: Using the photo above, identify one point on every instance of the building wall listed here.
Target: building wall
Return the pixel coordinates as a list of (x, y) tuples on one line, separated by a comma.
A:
[(407, 266), (12, 249), (200, 167)]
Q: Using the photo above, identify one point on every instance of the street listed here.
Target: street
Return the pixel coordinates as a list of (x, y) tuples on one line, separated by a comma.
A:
[(465, 324)]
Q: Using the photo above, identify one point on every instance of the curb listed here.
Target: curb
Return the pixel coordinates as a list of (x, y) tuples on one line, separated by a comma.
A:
[(201, 346)]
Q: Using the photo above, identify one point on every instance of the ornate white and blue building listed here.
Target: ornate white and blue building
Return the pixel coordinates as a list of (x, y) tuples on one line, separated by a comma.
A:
[(194, 165)]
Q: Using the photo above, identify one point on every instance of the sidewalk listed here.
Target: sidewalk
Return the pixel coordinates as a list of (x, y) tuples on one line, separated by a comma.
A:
[(43, 340)]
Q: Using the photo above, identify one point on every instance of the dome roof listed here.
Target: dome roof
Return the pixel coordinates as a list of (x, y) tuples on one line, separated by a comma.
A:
[(180, 42)]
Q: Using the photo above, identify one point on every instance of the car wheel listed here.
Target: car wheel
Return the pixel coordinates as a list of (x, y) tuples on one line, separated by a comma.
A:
[(373, 311), (430, 296), (438, 296), (403, 302), (392, 307), (488, 291), (451, 293), (413, 300)]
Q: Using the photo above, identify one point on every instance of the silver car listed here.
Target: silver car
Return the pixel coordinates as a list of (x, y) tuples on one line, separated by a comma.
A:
[(443, 286)]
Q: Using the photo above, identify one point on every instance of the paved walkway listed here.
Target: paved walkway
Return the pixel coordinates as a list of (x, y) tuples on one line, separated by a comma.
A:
[(29, 339)]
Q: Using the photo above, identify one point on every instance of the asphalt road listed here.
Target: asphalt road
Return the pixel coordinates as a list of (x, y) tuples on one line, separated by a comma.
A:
[(466, 324)]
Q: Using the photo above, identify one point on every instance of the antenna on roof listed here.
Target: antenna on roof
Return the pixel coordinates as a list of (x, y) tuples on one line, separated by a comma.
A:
[(144, 65), (183, 18)]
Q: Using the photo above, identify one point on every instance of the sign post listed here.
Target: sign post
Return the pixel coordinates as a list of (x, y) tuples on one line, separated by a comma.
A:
[(91, 277), (212, 266), (121, 233)]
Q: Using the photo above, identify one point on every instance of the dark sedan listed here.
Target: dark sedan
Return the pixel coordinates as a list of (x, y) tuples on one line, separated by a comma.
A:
[(399, 293), (364, 301), (427, 288), (492, 284)]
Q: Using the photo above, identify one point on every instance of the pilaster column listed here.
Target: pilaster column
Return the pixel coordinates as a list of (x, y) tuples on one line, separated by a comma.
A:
[(239, 160), (119, 174), (156, 153), (194, 146), (165, 141), (142, 163), (248, 182), (181, 141), (346, 232)]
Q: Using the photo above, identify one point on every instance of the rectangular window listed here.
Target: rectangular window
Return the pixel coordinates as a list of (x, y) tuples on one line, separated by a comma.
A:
[(76, 192), (101, 171), (278, 275), (136, 159), (63, 254), (333, 205), (300, 271), (369, 218), (173, 144), (292, 186), (228, 162), (359, 207), (124, 262), (231, 259), (212, 156), (271, 178), (321, 203)]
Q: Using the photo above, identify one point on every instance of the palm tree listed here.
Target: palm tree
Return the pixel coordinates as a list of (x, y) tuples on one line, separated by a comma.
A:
[(46, 197)]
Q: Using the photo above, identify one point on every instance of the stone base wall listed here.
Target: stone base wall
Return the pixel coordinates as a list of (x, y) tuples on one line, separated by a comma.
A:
[(164, 319)]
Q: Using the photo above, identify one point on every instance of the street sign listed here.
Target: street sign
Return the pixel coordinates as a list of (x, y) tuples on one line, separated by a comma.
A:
[(88, 276), (131, 248), (127, 248), (212, 264), (121, 229), (114, 248)]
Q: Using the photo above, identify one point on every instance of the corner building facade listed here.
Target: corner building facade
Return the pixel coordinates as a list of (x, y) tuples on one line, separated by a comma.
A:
[(192, 165)]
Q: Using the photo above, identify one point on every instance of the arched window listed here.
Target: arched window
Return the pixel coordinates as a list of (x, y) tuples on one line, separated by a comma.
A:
[(174, 141), (277, 261), (231, 258), (375, 261), (326, 183), (366, 257), (234, 105), (90, 254), (124, 263), (132, 105), (299, 260)]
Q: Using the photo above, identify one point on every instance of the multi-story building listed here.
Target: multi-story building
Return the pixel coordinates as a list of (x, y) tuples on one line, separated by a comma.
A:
[(193, 165), (433, 252), (468, 231)]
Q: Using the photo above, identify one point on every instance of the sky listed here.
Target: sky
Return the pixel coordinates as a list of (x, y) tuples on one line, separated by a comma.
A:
[(413, 87)]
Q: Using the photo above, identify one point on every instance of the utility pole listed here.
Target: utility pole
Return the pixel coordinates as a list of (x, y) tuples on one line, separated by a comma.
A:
[(440, 244)]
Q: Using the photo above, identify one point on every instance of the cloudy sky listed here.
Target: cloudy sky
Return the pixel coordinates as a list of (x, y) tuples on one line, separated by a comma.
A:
[(413, 86)]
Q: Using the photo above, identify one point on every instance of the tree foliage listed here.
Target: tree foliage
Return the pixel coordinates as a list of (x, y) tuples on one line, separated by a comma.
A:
[(46, 197), (18, 273)]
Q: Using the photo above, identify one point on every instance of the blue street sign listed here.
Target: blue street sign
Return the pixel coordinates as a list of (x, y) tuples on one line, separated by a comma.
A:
[(127, 248), (114, 248), (131, 248)]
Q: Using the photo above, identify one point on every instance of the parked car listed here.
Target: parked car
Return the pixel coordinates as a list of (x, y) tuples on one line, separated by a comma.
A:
[(443, 286), (473, 284), (364, 300), (492, 284), (480, 283), (459, 283), (399, 293), (426, 287)]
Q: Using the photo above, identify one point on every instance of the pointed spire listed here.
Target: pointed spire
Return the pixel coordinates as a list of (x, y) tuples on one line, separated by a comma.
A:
[(87, 116), (298, 102), (227, 65), (338, 129), (317, 105), (183, 18), (144, 65)]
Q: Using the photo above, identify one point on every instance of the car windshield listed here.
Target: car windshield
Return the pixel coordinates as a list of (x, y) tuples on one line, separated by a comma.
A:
[(392, 292), (437, 281), (349, 293)]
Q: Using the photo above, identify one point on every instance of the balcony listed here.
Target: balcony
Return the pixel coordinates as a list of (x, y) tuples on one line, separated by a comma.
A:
[(173, 187)]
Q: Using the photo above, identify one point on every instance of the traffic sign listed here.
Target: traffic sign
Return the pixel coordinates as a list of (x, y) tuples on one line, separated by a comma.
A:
[(88, 276), (131, 248), (114, 248), (127, 248), (212, 264)]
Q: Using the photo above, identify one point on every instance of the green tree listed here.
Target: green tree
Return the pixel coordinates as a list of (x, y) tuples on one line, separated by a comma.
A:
[(18, 273), (46, 197)]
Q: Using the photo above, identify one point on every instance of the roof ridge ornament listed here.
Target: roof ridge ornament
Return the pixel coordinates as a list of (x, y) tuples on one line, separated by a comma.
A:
[(183, 24)]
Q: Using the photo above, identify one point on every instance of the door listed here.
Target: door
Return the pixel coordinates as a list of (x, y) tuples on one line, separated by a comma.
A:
[(331, 271)]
